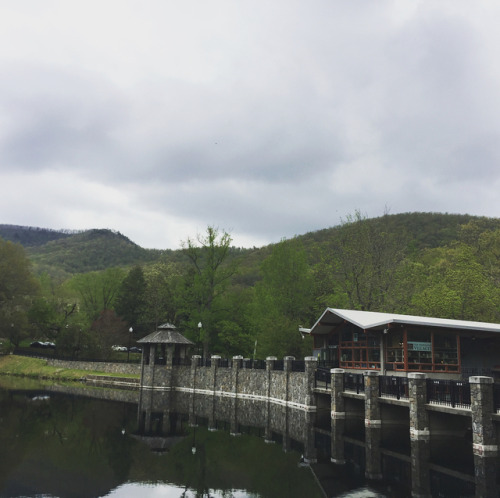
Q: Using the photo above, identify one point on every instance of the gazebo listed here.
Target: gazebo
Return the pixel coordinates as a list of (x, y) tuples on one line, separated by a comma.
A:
[(164, 345)]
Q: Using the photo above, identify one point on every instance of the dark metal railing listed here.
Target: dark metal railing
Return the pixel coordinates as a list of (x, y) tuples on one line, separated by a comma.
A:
[(204, 362), (496, 398), (224, 363), (298, 366), (278, 365), (454, 393), (394, 387), (181, 362), (255, 364), (354, 382), (322, 378)]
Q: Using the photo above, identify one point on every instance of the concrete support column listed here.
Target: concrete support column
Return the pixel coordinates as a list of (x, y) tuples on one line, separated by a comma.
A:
[(373, 425), (237, 364), (419, 435), (311, 365), (194, 370), (338, 415), (484, 444)]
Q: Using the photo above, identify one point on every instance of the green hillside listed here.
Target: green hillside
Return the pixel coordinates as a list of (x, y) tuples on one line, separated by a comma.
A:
[(63, 253), (91, 250)]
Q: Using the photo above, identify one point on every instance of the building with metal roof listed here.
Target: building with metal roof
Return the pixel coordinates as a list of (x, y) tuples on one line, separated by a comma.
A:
[(399, 344)]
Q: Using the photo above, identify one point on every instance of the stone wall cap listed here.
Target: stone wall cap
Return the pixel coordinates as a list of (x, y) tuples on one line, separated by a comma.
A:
[(238, 357), (215, 357), (371, 373), (337, 371), (479, 379), (310, 358), (271, 358), (290, 358), (416, 375)]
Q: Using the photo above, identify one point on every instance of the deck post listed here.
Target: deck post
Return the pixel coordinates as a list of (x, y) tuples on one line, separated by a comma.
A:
[(484, 444), (337, 415)]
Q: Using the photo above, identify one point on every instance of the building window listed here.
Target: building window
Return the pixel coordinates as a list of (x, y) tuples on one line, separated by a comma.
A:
[(422, 351), (359, 350)]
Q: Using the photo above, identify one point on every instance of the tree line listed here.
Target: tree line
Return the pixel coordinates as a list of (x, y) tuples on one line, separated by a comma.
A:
[(216, 299)]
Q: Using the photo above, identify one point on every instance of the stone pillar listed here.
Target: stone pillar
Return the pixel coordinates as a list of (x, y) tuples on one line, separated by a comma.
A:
[(373, 425), (212, 425), (237, 363), (310, 371), (484, 444), (337, 415), (194, 370), (419, 435)]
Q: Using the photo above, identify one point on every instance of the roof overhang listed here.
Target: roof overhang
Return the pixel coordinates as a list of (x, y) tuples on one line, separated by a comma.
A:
[(370, 320)]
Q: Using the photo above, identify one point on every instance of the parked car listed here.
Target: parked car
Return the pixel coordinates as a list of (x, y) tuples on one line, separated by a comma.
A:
[(42, 345), (119, 348), (135, 349)]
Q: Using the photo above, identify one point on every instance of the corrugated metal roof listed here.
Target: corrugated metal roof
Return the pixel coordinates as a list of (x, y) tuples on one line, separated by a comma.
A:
[(367, 320)]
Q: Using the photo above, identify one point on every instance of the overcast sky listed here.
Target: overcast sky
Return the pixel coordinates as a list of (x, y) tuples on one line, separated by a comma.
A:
[(266, 118)]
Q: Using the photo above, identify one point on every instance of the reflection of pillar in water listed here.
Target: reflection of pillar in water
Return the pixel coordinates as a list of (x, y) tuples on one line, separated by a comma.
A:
[(373, 426), (192, 399), (212, 422), (268, 436), (419, 434), (310, 454), (337, 415), (420, 456), (484, 443), (237, 363)]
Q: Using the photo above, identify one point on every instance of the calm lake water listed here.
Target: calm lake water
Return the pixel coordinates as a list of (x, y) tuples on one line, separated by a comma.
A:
[(63, 442)]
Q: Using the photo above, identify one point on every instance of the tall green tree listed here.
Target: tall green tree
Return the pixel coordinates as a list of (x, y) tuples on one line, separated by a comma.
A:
[(160, 293), (205, 283), (367, 257), (98, 290), (283, 301), (456, 286), (18, 286), (130, 303)]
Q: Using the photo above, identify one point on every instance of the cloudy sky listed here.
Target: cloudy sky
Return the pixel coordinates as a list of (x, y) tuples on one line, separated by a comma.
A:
[(266, 118)]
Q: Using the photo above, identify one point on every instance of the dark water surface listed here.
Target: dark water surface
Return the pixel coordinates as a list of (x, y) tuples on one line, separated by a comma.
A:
[(66, 443)]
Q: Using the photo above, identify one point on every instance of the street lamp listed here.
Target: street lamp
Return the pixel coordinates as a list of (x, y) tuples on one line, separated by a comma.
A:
[(131, 330), (199, 335)]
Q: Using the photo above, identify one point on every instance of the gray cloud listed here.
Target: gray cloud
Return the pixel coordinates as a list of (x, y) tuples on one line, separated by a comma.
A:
[(269, 119)]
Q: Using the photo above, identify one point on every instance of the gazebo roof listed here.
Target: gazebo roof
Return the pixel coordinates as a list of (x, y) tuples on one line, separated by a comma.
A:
[(165, 334)]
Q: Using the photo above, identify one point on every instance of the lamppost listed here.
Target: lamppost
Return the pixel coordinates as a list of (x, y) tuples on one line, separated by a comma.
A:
[(131, 331), (199, 335)]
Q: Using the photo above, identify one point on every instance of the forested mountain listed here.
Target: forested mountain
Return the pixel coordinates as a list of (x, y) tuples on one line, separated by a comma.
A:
[(32, 236), (65, 252), (91, 250), (87, 288)]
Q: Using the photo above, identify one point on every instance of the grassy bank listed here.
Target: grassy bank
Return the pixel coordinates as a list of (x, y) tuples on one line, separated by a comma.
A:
[(38, 368)]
